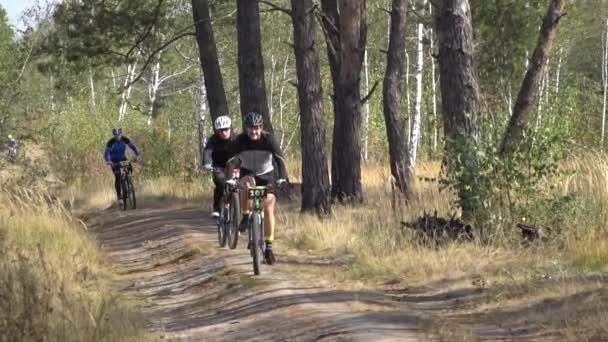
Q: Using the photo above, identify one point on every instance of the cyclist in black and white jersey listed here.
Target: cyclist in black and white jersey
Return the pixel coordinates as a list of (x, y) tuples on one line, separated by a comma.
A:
[(216, 153), (256, 151)]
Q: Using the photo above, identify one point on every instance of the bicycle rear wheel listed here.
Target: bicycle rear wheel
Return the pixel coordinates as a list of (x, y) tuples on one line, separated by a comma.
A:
[(257, 247), (232, 222)]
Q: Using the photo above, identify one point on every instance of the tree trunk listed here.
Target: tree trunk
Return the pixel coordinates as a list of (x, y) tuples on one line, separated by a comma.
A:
[(367, 109), (331, 29), (315, 176), (153, 86), (126, 93), (433, 89), (415, 132), (604, 86), (92, 87), (391, 96), (210, 64), (252, 85), (518, 124), (459, 97), (347, 127)]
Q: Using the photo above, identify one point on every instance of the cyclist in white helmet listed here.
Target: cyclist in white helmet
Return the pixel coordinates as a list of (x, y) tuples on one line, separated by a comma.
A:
[(216, 154)]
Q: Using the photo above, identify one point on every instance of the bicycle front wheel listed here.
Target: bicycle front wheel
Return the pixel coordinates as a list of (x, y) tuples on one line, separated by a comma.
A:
[(130, 193), (233, 220), (257, 245), (221, 226), (124, 191)]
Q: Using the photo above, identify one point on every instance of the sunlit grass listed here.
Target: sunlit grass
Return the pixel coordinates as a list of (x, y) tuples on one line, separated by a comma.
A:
[(54, 283)]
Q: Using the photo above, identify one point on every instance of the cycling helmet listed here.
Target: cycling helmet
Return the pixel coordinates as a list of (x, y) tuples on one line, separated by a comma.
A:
[(116, 131), (222, 122), (10, 137), (254, 119)]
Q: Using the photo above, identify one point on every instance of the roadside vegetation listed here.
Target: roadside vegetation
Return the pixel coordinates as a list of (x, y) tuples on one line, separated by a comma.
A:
[(55, 283)]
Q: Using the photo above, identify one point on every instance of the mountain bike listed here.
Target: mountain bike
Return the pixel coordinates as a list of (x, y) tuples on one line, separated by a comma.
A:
[(255, 226), (228, 222), (127, 190)]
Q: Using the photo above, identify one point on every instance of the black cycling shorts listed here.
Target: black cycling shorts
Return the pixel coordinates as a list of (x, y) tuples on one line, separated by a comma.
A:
[(266, 179)]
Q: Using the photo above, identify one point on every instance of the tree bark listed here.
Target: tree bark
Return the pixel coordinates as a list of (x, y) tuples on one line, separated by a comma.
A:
[(252, 84), (391, 95), (331, 29), (518, 124), (459, 98), (315, 175), (210, 64), (346, 34)]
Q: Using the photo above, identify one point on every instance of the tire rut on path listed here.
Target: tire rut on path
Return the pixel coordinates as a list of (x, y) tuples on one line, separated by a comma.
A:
[(195, 291)]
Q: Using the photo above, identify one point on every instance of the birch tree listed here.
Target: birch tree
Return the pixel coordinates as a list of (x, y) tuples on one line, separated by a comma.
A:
[(604, 84), (416, 117)]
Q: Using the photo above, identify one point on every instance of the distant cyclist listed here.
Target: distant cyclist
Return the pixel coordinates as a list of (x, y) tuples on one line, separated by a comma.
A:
[(216, 153), (257, 151), (115, 152), (12, 148)]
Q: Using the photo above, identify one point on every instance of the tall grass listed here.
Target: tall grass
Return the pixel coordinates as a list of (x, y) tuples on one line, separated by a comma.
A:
[(381, 248), (54, 284)]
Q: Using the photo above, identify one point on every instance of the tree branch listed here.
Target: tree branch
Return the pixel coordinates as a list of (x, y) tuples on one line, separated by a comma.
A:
[(149, 59), (275, 7), (148, 29), (371, 92)]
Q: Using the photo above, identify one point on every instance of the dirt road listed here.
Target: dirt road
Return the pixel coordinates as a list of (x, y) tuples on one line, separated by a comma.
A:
[(195, 291)]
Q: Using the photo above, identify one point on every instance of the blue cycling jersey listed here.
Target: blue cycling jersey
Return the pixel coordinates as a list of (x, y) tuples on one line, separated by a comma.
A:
[(116, 149)]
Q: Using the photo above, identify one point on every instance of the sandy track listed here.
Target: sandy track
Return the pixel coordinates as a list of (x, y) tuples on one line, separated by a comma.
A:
[(195, 291)]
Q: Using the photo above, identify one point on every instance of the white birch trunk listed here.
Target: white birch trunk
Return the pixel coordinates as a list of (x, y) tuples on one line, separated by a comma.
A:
[(415, 130), (153, 87), (559, 71), (52, 93), (367, 108), (201, 111), (407, 95), (126, 93), (272, 76), (92, 87), (605, 81), (282, 103), (433, 89)]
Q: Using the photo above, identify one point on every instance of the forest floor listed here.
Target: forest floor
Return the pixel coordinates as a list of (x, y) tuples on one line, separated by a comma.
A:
[(166, 255)]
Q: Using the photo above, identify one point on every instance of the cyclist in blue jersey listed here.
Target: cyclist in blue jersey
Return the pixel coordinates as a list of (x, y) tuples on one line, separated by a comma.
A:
[(115, 152), (12, 148)]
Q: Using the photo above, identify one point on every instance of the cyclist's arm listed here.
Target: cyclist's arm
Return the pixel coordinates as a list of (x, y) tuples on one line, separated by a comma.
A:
[(106, 154), (278, 157), (131, 146), (207, 151), (236, 147)]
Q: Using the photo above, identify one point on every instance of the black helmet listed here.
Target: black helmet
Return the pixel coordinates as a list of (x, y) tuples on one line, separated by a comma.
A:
[(254, 119)]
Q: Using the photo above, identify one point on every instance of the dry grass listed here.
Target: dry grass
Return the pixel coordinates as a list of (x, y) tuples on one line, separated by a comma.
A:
[(511, 275), (53, 280)]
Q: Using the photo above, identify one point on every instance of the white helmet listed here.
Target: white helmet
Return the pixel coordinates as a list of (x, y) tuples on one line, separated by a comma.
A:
[(222, 122), (10, 136)]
